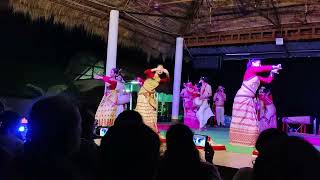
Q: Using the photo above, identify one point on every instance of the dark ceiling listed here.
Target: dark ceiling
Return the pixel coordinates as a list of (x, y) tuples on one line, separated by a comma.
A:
[(263, 51)]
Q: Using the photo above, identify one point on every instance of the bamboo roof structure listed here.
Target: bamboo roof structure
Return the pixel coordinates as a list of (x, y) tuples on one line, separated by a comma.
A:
[(153, 25)]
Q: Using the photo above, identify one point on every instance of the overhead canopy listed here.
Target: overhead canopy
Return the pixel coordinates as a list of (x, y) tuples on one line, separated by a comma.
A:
[(153, 25)]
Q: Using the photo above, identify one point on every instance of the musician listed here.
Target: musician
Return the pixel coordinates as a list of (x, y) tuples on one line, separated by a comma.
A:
[(204, 112), (219, 98)]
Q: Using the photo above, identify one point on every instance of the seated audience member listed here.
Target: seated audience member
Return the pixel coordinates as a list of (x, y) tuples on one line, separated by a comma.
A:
[(265, 138), (5, 160), (9, 136), (129, 152), (53, 138), (2, 107), (268, 136), (245, 173), (290, 158), (129, 118), (87, 158), (182, 160)]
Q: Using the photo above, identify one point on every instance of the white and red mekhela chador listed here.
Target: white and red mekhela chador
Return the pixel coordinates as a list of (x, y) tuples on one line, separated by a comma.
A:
[(147, 104), (106, 112), (244, 128), (123, 97), (268, 119), (190, 118)]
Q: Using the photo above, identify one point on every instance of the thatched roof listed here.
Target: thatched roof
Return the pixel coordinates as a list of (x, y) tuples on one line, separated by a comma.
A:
[(153, 25)]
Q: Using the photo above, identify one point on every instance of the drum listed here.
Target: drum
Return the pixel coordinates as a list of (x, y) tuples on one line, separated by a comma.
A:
[(123, 99), (197, 102)]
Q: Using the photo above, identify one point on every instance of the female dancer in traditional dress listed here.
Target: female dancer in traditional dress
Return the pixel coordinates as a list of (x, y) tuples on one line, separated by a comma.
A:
[(259, 104), (106, 112), (268, 117), (188, 94), (123, 96), (147, 104), (244, 128)]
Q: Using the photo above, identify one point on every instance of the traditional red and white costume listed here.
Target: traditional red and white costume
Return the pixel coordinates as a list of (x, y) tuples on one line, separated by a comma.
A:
[(244, 128), (147, 104), (268, 117), (123, 97), (106, 112), (188, 94)]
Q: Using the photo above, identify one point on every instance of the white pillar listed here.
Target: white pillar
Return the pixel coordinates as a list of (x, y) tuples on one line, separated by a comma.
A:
[(112, 41), (177, 78)]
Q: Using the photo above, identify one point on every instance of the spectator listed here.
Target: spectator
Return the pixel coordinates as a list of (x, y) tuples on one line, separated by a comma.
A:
[(264, 140), (268, 136), (289, 158), (129, 152), (87, 123), (2, 107), (5, 159), (87, 158), (181, 159), (245, 173), (10, 140), (129, 118), (54, 136)]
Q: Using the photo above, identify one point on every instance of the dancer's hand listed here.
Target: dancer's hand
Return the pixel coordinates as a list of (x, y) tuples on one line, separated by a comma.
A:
[(278, 67), (166, 71), (275, 71)]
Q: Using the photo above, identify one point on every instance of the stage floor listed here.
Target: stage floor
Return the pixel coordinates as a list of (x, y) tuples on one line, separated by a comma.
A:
[(233, 156), (236, 156)]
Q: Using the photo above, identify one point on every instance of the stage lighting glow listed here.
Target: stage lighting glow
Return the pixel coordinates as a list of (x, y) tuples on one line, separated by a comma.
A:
[(134, 82), (22, 129), (24, 121)]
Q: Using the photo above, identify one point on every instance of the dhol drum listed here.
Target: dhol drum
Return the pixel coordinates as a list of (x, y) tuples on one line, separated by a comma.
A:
[(123, 98), (197, 102)]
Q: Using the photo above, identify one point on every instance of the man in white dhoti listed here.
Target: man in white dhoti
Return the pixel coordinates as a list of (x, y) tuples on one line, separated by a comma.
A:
[(204, 112)]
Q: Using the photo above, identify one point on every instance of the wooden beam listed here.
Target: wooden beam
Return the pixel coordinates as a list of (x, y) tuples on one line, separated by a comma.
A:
[(290, 32), (175, 2)]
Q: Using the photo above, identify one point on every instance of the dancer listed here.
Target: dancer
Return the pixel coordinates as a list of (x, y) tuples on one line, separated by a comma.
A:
[(147, 104), (188, 94), (204, 112), (106, 112), (268, 117), (123, 96), (259, 104), (244, 128), (219, 98)]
